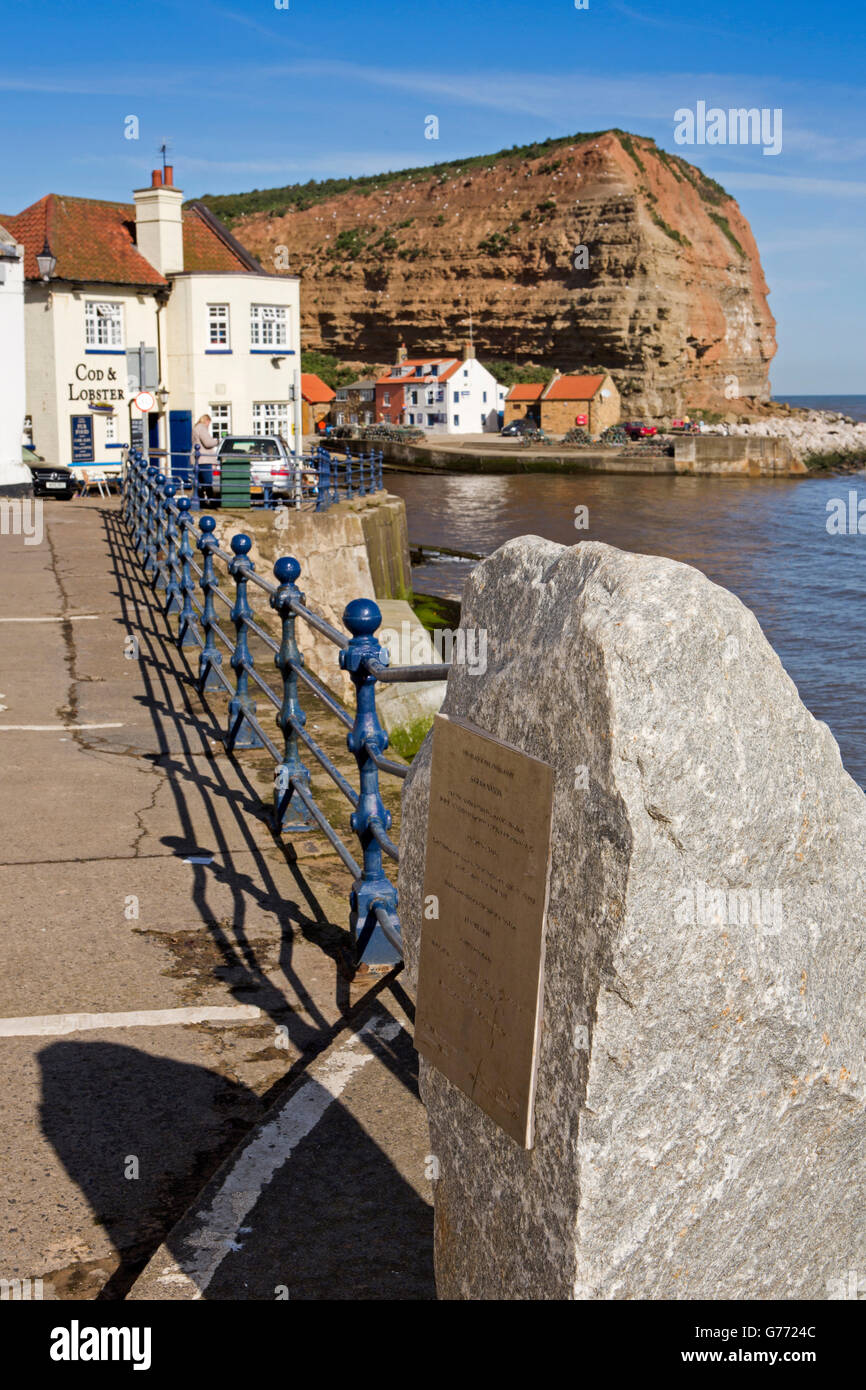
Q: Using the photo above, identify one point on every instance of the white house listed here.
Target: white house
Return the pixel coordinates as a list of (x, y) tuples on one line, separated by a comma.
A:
[(149, 294), (14, 475), (448, 395)]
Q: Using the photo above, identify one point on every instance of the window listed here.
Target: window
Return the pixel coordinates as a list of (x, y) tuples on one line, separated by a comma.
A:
[(457, 419), (465, 371), (414, 397), (111, 429), (103, 325), (271, 417), (434, 369), (220, 420), (483, 397), (342, 394), (386, 398), (218, 325), (368, 395), (340, 417), (456, 397), (268, 325)]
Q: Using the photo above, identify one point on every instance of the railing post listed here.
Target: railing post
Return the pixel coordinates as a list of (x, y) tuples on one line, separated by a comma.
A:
[(323, 490), (210, 656), (186, 633), (379, 475), (160, 581), (362, 618), (150, 522), (290, 814), (241, 733), (194, 499), (349, 492), (172, 588)]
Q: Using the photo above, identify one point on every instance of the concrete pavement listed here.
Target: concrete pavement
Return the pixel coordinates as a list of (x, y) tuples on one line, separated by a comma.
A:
[(114, 779)]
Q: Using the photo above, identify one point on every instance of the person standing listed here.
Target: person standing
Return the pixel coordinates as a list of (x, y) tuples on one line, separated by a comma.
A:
[(202, 436)]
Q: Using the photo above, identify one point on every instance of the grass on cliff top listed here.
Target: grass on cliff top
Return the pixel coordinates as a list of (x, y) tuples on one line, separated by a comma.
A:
[(298, 196)]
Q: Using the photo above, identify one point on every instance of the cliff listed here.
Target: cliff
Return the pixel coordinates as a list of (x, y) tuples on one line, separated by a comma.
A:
[(669, 294)]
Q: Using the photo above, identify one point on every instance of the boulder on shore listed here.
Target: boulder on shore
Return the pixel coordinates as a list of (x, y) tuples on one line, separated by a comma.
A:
[(700, 1104)]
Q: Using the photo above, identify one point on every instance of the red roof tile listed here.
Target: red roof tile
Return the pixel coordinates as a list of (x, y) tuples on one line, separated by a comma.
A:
[(526, 391), (314, 390), (573, 388), (95, 241)]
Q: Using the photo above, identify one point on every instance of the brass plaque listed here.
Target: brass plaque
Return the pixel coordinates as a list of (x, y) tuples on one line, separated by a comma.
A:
[(481, 967)]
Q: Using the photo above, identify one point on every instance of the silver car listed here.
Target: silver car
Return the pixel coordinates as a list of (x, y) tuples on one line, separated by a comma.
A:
[(271, 465)]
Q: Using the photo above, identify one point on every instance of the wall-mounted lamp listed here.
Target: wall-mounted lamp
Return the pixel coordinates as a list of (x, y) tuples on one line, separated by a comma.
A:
[(46, 262)]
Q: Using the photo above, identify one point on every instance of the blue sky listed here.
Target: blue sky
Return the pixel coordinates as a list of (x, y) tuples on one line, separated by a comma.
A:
[(251, 96)]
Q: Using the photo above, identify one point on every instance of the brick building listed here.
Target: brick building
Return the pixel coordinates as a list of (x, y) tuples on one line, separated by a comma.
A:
[(590, 402), (522, 401)]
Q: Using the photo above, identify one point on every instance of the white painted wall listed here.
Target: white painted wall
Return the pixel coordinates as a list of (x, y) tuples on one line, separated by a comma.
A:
[(199, 377), (64, 375), (474, 398), (62, 371), (13, 473)]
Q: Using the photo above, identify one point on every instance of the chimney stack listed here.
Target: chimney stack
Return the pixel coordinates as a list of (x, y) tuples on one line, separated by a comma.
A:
[(159, 222), (402, 354), (468, 351)]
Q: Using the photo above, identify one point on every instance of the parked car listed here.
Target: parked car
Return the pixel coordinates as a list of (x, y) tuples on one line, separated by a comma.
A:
[(636, 429), (49, 479), (517, 427), (270, 463)]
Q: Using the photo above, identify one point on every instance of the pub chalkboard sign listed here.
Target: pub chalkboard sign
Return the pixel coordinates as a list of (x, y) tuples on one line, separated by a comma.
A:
[(82, 438)]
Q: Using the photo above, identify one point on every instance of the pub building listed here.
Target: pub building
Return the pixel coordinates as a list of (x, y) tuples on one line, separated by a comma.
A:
[(121, 297)]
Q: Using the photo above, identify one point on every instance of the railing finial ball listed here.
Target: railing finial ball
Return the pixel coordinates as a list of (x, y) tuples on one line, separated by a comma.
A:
[(362, 617), (287, 569), (207, 524), (183, 504), (241, 544), (169, 490)]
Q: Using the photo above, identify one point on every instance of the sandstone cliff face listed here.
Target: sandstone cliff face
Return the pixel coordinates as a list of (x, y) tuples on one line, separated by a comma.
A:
[(673, 300)]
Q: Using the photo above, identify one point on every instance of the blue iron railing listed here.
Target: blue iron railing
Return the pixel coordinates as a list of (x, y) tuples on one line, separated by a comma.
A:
[(317, 481), (161, 532)]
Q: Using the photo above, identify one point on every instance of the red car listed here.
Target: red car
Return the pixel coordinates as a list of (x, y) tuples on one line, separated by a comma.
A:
[(636, 429)]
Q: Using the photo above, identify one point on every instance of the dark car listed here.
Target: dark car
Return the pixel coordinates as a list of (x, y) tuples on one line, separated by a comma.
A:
[(636, 429), (524, 426), (49, 479)]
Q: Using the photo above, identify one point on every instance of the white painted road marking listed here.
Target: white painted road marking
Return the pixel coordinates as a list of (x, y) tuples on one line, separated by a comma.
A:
[(45, 1025), (58, 618), (52, 728), (221, 1224)]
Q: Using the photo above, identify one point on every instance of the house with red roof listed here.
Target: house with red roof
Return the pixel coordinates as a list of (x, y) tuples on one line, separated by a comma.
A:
[(316, 398), (590, 402), (524, 401), (448, 395), (121, 297)]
